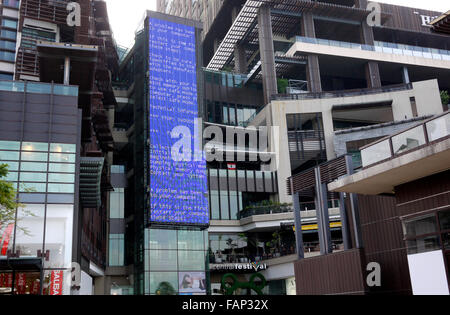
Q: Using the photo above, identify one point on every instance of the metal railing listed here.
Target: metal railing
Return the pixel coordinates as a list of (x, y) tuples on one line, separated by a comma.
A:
[(38, 88), (431, 130), (383, 47), (343, 93), (265, 210)]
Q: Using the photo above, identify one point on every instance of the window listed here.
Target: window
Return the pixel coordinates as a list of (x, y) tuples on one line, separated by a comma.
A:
[(5, 44), (61, 178), (117, 203), (428, 233), (8, 34), (7, 56), (9, 23), (9, 156), (225, 214), (34, 146), (116, 249), (421, 226), (57, 157), (33, 167), (32, 156), (61, 188), (215, 207), (33, 177), (62, 168), (63, 148)]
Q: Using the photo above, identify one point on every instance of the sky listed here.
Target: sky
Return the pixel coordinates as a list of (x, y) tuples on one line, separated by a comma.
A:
[(125, 15)]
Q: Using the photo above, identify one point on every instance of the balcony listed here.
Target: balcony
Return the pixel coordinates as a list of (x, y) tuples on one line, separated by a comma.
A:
[(414, 153), (432, 130), (381, 51)]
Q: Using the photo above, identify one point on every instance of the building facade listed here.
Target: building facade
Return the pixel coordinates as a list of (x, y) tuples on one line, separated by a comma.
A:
[(325, 82), (64, 48)]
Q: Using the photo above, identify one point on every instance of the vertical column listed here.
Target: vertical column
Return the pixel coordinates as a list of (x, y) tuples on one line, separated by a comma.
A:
[(354, 206), (323, 219), (371, 68), (344, 220), (313, 68), (405, 75), (266, 49), (298, 227), (66, 70), (240, 59)]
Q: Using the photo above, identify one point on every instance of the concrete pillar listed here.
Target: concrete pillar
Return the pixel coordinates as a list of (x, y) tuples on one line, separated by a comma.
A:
[(344, 220), (354, 206), (372, 74), (298, 227), (66, 70), (313, 68), (405, 75), (267, 53), (240, 60), (323, 219), (371, 68)]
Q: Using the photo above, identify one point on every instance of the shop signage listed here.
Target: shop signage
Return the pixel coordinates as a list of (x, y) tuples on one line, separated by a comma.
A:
[(253, 266), (21, 283), (56, 283)]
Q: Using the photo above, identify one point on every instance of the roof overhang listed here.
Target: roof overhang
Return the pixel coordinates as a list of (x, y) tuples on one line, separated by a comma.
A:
[(442, 23), (83, 59), (384, 177)]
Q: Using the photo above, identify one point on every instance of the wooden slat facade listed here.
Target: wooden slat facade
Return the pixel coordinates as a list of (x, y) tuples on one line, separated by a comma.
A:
[(334, 274)]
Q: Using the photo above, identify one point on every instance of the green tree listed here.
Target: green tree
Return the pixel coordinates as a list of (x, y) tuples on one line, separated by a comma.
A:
[(445, 97), (8, 202), (282, 85)]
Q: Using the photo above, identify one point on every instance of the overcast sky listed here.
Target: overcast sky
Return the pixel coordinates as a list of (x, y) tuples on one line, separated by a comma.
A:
[(125, 15)]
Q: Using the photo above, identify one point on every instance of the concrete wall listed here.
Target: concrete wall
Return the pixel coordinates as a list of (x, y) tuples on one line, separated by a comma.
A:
[(428, 102)]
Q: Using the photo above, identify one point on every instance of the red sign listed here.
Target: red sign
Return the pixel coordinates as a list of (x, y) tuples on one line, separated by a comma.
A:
[(21, 283), (5, 239), (56, 283)]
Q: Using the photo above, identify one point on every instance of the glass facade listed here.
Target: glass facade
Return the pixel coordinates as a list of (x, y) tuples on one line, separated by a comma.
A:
[(227, 202), (117, 214), (44, 224), (428, 233), (176, 262)]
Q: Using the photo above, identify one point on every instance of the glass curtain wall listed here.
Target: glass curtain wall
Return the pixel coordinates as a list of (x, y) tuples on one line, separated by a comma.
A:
[(176, 262), (44, 176)]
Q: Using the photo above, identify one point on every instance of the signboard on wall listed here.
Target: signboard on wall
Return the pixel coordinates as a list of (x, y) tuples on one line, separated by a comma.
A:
[(178, 178), (56, 283), (192, 283)]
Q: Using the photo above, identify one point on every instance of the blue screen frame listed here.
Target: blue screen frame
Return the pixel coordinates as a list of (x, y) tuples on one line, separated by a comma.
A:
[(178, 189)]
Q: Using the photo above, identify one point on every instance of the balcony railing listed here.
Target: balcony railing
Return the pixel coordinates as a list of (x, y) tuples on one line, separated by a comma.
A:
[(283, 208), (434, 129), (383, 47), (343, 93), (265, 210), (38, 87)]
